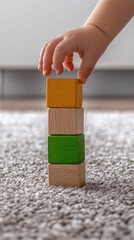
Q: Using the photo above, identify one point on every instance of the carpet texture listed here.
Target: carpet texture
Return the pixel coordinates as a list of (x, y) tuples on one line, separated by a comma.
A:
[(102, 209)]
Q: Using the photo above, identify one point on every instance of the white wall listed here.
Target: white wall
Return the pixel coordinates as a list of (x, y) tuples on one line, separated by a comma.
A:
[(26, 25)]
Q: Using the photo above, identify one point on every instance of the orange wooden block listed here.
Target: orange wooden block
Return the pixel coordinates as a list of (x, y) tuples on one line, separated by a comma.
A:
[(65, 120), (68, 175), (63, 92)]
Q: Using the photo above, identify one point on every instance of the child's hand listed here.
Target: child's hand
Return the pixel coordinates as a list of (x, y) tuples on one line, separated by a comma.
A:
[(89, 42)]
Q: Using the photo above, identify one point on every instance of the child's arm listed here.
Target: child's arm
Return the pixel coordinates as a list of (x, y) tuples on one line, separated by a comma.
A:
[(90, 41), (110, 16)]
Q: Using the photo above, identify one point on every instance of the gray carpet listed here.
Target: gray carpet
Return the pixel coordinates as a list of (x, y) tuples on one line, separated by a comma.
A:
[(103, 209)]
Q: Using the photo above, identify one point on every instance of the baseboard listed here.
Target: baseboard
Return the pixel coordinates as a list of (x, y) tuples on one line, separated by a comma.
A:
[(102, 83)]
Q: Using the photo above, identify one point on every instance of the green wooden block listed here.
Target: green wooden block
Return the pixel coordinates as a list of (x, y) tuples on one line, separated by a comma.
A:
[(66, 149)]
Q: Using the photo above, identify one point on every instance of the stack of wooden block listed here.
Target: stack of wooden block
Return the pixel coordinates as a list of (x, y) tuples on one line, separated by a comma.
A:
[(66, 145)]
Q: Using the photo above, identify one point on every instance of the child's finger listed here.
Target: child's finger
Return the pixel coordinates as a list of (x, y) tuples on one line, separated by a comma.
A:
[(64, 48), (48, 55), (85, 69), (69, 62), (40, 65), (47, 71)]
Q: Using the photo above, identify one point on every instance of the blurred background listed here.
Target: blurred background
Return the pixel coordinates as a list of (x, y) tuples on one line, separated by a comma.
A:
[(24, 28)]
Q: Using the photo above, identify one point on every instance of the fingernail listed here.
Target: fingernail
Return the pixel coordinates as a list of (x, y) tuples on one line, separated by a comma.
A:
[(58, 71), (44, 73), (82, 80)]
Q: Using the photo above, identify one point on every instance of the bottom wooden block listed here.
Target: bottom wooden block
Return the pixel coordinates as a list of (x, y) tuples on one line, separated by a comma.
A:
[(68, 175)]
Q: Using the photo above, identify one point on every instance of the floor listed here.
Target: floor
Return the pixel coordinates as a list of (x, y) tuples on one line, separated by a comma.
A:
[(92, 104), (102, 209)]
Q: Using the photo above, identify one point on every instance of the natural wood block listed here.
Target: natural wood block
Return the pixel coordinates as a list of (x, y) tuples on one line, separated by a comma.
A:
[(63, 92), (68, 175), (65, 120), (66, 149)]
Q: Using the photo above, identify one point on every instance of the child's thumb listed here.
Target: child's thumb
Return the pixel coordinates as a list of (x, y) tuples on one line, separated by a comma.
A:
[(85, 69)]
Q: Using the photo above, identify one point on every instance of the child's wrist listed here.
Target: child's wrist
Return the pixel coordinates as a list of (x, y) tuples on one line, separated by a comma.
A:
[(86, 25)]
